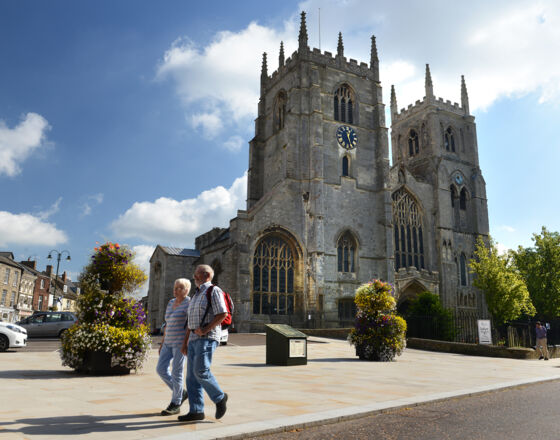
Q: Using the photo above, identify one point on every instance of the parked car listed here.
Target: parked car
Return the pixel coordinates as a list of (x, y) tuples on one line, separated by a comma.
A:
[(48, 323), (224, 336), (12, 336)]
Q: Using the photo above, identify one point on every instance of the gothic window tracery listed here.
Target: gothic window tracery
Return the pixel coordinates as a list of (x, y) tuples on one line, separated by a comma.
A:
[(463, 270), (273, 277), (408, 232), (280, 111), (449, 140), (346, 253), (344, 102), (413, 143), (463, 199)]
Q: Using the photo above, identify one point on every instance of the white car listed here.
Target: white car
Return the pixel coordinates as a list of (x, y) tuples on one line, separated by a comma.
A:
[(12, 336), (224, 336)]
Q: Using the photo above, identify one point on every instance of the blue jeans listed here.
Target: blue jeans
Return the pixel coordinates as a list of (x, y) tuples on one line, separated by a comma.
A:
[(199, 376), (171, 354)]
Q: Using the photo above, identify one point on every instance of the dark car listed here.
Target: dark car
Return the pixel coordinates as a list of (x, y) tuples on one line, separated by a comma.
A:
[(48, 323)]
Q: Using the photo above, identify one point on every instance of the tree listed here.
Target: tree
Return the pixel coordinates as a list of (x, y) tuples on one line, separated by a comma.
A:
[(503, 286), (540, 268), (426, 307)]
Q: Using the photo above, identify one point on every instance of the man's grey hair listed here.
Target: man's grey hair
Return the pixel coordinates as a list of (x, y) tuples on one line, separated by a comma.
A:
[(186, 284), (206, 270)]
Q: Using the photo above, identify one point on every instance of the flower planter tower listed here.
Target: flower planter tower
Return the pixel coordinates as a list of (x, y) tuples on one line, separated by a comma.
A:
[(378, 333), (111, 335)]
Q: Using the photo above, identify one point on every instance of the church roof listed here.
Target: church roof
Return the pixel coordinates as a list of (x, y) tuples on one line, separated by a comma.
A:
[(180, 252)]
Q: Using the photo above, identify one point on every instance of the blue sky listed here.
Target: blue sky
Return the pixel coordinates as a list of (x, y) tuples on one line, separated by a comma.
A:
[(129, 121)]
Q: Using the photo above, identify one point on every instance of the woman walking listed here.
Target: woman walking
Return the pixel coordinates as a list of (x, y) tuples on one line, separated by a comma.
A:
[(170, 348)]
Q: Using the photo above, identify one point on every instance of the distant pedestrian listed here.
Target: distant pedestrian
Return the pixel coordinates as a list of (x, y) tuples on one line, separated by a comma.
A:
[(170, 354), (202, 338), (540, 331)]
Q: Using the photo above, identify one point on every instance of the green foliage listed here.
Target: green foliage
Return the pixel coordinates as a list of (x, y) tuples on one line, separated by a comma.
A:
[(540, 268), (378, 334), (108, 320), (504, 288), (427, 305)]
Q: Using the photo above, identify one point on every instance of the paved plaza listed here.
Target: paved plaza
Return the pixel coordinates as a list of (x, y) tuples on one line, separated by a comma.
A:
[(43, 400)]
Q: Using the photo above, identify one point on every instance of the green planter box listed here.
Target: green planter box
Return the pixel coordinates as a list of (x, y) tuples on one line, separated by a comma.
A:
[(285, 345)]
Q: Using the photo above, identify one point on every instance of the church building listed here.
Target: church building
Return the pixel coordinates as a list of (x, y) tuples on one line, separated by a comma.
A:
[(326, 209)]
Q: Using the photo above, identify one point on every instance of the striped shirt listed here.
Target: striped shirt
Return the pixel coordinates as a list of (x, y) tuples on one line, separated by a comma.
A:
[(175, 322), (198, 307)]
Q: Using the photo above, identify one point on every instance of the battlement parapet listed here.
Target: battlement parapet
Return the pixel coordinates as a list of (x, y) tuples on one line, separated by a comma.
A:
[(325, 58), (439, 103)]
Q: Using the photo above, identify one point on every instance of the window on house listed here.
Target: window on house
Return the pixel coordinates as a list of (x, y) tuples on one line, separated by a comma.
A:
[(14, 283), (346, 253), (42, 284), (413, 143), (40, 304), (7, 276), (407, 229), (13, 299), (4, 294), (273, 278), (343, 103)]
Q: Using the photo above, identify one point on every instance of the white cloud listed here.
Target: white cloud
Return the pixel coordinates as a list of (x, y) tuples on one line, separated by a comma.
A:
[(210, 123), (172, 222), (505, 48), (54, 208), (26, 229), (506, 228), (502, 249), (92, 201), (142, 258), (18, 143), (222, 79), (234, 143)]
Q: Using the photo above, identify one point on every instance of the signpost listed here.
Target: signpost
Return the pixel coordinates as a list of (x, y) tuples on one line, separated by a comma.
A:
[(484, 332)]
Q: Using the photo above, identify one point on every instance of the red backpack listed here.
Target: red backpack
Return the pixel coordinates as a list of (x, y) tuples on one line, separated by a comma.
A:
[(229, 306)]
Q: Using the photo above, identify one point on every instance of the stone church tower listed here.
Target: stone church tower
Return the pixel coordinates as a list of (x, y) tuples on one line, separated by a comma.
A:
[(326, 213), (439, 199)]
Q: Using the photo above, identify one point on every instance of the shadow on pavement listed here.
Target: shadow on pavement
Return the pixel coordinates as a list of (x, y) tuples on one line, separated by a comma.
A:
[(85, 424), (335, 360), (38, 374)]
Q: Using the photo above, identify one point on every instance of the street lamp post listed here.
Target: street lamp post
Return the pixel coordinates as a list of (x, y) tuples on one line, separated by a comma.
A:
[(58, 257)]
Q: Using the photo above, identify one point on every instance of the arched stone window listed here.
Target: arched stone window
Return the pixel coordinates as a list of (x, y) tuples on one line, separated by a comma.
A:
[(344, 104), (453, 192), (346, 253), (408, 232), (463, 199), (449, 140), (345, 166), (273, 277), (463, 270), (280, 111), (413, 143)]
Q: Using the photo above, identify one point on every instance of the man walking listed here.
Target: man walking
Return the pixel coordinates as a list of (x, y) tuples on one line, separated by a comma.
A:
[(202, 338), (540, 332)]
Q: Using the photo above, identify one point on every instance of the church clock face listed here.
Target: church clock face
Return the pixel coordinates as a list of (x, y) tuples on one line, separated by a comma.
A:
[(459, 179), (346, 137)]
